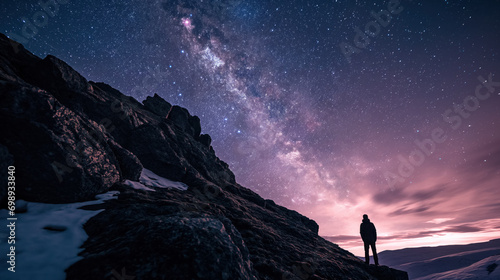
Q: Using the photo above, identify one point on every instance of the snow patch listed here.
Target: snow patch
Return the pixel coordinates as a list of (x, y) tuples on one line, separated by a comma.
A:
[(48, 238), (149, 180), (137, 186)]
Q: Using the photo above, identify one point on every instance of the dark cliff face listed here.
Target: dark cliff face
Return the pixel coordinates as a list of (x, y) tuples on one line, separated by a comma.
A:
[(71, 139)]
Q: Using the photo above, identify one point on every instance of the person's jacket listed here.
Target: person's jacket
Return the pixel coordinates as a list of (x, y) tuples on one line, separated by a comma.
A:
[(368, 231)]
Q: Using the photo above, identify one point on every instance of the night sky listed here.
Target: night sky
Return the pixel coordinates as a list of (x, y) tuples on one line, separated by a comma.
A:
[(330, 108)]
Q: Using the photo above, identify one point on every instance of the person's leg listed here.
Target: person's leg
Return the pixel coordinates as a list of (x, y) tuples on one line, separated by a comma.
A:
[(375, 256), (367, 253)]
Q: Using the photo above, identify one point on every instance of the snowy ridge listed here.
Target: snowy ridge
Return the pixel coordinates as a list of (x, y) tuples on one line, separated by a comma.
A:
[(484, 269), (48, 238), (453, 262), (149, 180)]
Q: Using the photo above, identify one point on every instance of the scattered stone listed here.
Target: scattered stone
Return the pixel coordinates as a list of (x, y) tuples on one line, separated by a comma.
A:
[(490, 268), (58, 228)]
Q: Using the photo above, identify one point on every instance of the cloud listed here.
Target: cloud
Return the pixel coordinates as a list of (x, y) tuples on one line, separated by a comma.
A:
[(428, 194), (462, 228), (404, 211), (408, 197), (439, 220), (389, 197)]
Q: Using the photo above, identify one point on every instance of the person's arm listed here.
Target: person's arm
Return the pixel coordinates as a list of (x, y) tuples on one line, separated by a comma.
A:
[(362, 232)]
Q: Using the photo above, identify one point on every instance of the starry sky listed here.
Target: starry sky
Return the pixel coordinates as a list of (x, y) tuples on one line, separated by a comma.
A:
[(331, 108)]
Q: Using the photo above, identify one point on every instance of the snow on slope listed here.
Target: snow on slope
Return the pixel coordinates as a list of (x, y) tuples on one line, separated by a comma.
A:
[(449, 262), (149, 180), (48, 238), (425, 261), (487, 268)]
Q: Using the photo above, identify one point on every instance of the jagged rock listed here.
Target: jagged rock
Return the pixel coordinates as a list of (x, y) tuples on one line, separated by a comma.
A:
[(205, 139), (279, 244), (181, 117), (120, 115), (55, 75), (14, 57), (173, 155), (181, 246), (158, 155), (157, 105), (64, 155), (310, 224), (123, 117), (194, 122), (130, 166)]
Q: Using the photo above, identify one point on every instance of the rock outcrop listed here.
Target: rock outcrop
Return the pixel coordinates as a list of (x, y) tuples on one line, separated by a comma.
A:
[(71, 139), (63, 156), (157, 105)]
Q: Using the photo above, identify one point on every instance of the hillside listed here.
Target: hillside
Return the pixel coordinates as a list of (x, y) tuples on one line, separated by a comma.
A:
[(177, 211), (478, 260), (483, 269)]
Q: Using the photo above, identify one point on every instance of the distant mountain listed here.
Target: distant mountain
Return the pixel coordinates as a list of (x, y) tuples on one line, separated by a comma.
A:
[(481, 270), (453, 262), (179, 214)]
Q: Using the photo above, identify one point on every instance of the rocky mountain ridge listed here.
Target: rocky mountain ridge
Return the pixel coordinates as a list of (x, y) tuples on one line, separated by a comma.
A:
[(71, 139)]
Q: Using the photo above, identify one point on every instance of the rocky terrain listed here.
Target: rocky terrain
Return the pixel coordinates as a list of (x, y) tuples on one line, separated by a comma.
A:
[(71, 139)]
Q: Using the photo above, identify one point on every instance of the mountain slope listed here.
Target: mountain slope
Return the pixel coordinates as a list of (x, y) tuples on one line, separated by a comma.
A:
[(71, 139), (483, 269), (444, 261)]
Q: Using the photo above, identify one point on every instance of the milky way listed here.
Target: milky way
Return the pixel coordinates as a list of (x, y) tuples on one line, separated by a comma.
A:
[(331, 108)]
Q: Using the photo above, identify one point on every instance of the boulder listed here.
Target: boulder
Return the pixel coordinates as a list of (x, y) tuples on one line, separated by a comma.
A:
[(130, 166), (158, 155), (178, 246), (194, 123), (59, 157), (205, 139), (181, 118), (157, 105)]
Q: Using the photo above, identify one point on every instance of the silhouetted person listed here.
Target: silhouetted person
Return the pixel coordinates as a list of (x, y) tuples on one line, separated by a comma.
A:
[(369, 236)]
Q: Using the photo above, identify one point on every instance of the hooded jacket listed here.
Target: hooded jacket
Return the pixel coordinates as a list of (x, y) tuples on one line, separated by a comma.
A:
[(368, 231)]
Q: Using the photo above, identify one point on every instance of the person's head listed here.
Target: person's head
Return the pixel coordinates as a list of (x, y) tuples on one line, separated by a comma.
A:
[(365, 217)]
